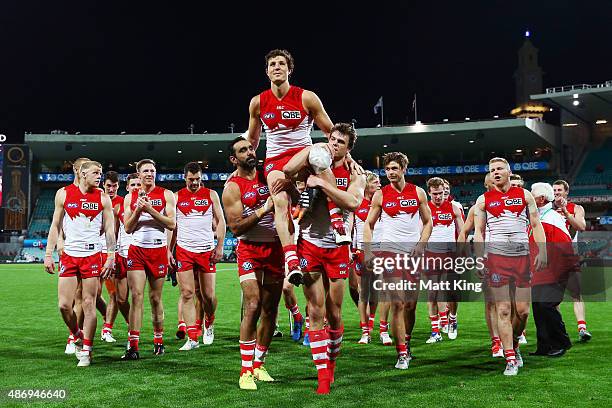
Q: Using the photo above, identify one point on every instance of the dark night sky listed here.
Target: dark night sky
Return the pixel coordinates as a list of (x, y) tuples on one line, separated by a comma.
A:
[(91, 66)]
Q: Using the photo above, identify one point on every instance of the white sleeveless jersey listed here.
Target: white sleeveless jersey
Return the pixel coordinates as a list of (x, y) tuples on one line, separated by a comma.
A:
[(507, 221), (82, 222), (125, 240), (401, 218), (442, 238), (194, 217), (285, 121), (149, 232)]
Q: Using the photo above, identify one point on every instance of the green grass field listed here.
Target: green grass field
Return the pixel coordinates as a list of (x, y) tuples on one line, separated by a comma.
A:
[(451, 373)]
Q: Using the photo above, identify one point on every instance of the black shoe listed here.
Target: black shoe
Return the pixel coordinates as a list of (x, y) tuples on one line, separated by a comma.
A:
[(277, 333), (130, 354), (180, 334), (173, 278), (159, 349), (556, 353), (539, 353)]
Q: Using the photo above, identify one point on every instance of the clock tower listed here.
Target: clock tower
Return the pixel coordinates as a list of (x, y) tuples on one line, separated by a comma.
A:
[(528, 81)]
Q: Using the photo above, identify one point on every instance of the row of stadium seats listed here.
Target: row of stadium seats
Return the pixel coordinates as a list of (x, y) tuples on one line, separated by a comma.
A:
[(33, 255), (596, 168)]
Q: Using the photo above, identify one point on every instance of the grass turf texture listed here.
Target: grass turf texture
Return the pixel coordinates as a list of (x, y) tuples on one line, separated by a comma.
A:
[(450, 373)]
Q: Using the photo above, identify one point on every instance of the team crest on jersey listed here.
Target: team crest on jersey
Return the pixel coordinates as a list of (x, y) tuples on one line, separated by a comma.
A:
[(269, 166), (513, 201), (303, 263), (247, 266), (269, 115), (72, 205), (89, 206), (263, 190), (248, 194), (408, 203), (291, 114)]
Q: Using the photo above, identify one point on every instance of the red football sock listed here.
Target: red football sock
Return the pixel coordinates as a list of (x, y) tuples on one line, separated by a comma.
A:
[(134, 337), (247, 350), (260, 355), (318, 347)]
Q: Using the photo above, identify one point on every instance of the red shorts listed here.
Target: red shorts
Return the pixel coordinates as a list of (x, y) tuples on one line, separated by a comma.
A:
[(505, 269), (279, 161), (154, 261), (194, 261), (121, 267), (267, 257), (82, 267), (435, 262), (333, 261), (358, 261)]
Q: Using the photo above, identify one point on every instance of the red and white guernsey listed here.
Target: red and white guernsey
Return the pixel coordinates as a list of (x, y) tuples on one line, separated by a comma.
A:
[(286, 122), (149, 232), (571, 208), (82, 221), (507, 221), (401, 218), (125, 239), (116, 201), (253, 194), (194, 217), (361, 215), (315, 226), (442, 238)]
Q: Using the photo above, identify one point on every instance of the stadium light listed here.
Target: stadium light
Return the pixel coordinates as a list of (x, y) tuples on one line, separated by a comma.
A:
[(575, 96), (179, 151), (220, 151), (467, 118), (496, 117), (200, 162), (444, 120), (385, 146), (471, 141), (601, 122), (519, 150), (527, 34), (569, 124), (576, 103)]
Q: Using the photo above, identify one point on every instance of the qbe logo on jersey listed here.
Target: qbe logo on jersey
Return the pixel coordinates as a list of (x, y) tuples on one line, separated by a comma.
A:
[(157, 202), (513, 201), (342, 182), (445, 217), (89, 206), (408, 203), (201, 203), (291, 115)]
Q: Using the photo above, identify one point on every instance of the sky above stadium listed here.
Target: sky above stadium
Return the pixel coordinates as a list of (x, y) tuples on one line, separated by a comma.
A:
[(95, 67)]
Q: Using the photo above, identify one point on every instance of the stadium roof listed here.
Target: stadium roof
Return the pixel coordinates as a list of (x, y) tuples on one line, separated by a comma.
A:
[(468, 136), (592, 104)]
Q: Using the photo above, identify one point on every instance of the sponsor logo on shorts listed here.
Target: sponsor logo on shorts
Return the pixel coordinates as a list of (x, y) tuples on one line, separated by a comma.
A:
[(291, 115), (248, 194), (342, 266), (201, 203), (247, 266), (179, 264), (342, 272), (513, 201), (156, 202), (495, 278), (269, 115), (89, 206), (269, 166), (62, 268), (303, 263), (161, 267), (412, 202), (72, 205), (94, 266), (129, 262)]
